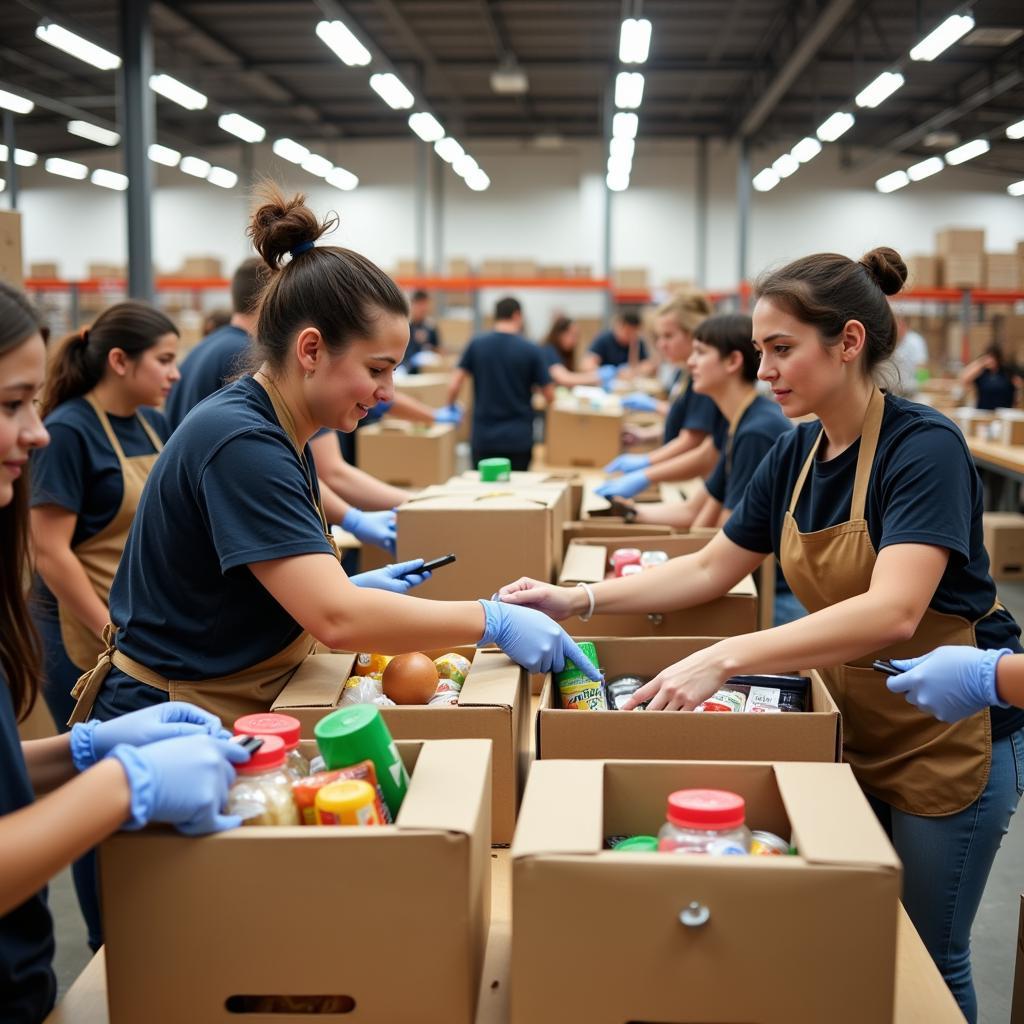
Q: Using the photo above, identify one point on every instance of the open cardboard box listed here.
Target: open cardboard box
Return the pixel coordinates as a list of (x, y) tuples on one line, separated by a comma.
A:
[(406, 454), (809, 938), (575, 480), (577, 436), (813, 735), (429, 388), (193, 924), (494, 704), (733, 614)]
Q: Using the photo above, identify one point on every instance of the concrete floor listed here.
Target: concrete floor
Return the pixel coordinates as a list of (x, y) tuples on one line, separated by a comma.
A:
[(995, 927)]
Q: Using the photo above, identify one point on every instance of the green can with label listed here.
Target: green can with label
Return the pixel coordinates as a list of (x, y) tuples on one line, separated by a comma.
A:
[(494, 471), (576, 690), (357, 733)]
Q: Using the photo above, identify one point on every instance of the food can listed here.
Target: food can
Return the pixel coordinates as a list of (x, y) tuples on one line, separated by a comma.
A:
[(576, 690), (768, 844), (649, 559), (304, 791), (620, 689), (349, 802), (724, 700)]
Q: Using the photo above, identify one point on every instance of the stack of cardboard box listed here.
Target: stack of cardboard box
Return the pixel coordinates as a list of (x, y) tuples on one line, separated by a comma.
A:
[(961, 254)]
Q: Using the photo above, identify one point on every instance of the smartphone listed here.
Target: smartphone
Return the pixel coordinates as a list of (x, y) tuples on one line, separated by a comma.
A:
[(437, 563), (887, 668)]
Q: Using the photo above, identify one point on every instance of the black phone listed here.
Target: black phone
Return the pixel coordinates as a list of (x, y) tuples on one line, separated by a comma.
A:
[(887, 668), (436, 563), (250, 743)]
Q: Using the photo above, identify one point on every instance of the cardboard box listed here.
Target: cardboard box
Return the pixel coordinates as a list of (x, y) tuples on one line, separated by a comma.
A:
[(455, 332), (459, 266), (429, 388), (979, 338), (192, 924), (499, 534), (494, 705), (771, 940), (963, 270), (202, 266), (814, 735), (733, 614), (922, 272), (46, 271), (10, 248), (960, 242), (407, 455), (1004, 542), (1002, 272), (105, 271), (1008, 427), (576, 436), (973, 423), (553, 271), (626, 279), (407, 268), (575, 481)]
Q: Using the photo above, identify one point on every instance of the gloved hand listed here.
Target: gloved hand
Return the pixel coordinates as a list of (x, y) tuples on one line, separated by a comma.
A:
[(532, 639), (639, 402), (426, 357), (624, 486), (372, 527), (607, 374), (391, 578), (951, 682), (378, 412), (91, 741), (448, 414), (182, 782), (627, 463)]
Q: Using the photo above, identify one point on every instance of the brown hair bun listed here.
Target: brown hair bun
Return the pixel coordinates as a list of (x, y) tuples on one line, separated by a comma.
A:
[(280, 224), (887, 268)]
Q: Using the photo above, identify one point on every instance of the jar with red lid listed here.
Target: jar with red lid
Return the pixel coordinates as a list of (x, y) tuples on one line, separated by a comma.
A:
[(270, 723), (621, 557), (262, 793), (705, 821)]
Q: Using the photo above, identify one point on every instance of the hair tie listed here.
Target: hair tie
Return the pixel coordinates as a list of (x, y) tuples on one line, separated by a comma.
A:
[(301, 248)]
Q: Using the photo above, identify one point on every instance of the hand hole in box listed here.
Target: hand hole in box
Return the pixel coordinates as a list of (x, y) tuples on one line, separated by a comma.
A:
[(319, 1005)]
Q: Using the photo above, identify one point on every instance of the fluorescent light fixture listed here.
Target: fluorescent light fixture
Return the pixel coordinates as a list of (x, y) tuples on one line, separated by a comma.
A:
[(195, 166), (617, 182), (1016, 189), (388, 86), (618, 165), (510, 80), (786, 165), (3, 184), (94, 133), (222, 177), (291, 150), (629, 89), (891, 182), (766, 180), (318, 165), (340, 178), (806, 149), (464, 165), (66, 168), (426, 126), (1015, 131), (622, 149), (955, 27), (835, 126), (164, 155), (968, 151), (880, 89), (634, 40), (624, 125), (109, 179), (12, 101), (78, 47), (448, 149), (925, 169), (241, 127), (478, 180), (170, 88), (338, 36), (22, 157)]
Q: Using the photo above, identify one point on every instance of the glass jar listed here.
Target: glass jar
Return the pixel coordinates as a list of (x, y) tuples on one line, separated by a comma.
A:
[(287, 728), (705, 821), (262, 793)]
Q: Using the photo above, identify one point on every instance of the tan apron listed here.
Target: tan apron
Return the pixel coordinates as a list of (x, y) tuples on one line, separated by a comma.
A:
[(101, 553), (899, 754), (251, 690)]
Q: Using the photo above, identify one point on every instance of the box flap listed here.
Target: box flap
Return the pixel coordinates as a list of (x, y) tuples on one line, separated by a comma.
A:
[(832, 821), (548, 824), (317, 682), (493, 681), (584, 563), (390, 426), (433, 802), (498, 497)]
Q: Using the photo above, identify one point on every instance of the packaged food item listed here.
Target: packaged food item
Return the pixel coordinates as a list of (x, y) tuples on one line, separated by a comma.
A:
[(649, 559), (496, 470), (705, 821), (621, 557), (316, 764), (262, 793), (288, 728), (576, 691), (359, 733), (348, 802), (371, 664), (410, 679), (621, 688), (305, 790), (364, 690), (768, 844), (452, 670), (637, 844), (631, 570), (724, 700), (794, 691)]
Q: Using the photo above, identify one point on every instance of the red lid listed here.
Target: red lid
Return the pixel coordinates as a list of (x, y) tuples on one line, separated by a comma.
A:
[(625, 556), (270, 755), (706, 808), (270, 724)]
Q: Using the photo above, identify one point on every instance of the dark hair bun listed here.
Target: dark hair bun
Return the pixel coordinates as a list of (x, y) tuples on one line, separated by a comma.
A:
[(280, 224), (886, 266)]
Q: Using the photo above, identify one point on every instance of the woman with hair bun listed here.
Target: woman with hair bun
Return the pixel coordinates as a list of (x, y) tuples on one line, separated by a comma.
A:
[(874, 512)]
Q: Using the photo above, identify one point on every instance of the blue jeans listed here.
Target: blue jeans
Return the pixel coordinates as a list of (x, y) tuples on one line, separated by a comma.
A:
[(787, 608), (946, 863)]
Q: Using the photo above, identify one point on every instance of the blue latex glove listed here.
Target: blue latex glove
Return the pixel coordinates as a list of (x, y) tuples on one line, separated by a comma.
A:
[(182, 782), (372, 527), (624, 486), (428, 357), (607, 374), (91, 741), (377, 412), (639, 402), (951, 682), (448, 414), (627, 463), (533, 640), (391, 578)]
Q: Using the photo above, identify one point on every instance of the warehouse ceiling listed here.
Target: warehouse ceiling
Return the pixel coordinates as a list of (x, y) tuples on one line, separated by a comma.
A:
[(771, 70)]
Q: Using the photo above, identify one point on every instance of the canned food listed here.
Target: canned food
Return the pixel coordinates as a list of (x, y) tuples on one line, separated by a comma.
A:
[(577, 691), (651, 558), (621, 688), (347, 802), (724, 700), (768, 844)]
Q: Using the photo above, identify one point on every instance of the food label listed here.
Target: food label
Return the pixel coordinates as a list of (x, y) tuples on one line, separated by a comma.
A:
[(763, 698), (723, 700), (583, 695)]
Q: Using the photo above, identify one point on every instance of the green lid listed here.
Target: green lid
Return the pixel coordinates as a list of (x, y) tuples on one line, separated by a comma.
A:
[(495, 470), (638, 844)]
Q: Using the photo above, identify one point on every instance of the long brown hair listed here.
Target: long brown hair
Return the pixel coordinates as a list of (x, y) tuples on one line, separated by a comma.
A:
[(20, 653), (558, 328)]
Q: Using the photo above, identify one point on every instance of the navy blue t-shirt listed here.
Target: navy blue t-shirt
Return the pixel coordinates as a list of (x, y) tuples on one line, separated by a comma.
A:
[(611, 353), (923, 489), (27, 983), (505, 370), (692, 411), (995, 390), (207, 368), (551, 356), (227, 491), (423, 337)]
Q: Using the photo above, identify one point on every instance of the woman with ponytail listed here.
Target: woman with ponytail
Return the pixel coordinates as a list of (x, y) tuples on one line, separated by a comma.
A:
[(874, 511)]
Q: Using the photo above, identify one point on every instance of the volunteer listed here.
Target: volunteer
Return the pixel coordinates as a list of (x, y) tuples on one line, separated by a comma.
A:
[(558, 350), (621, 347), (995, 379), (168, 764), (875, 515), (424, 342), (233, 505), (694, 428)]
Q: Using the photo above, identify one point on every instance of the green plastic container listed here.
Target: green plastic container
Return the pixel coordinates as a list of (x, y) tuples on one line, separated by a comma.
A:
[(494, 471), (353, 734), (637, 844)]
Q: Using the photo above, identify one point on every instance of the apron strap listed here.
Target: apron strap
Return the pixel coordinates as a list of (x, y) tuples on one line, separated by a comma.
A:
[(805, 469), (101, 415), (866, 456), (153, 436), (734, 426)]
